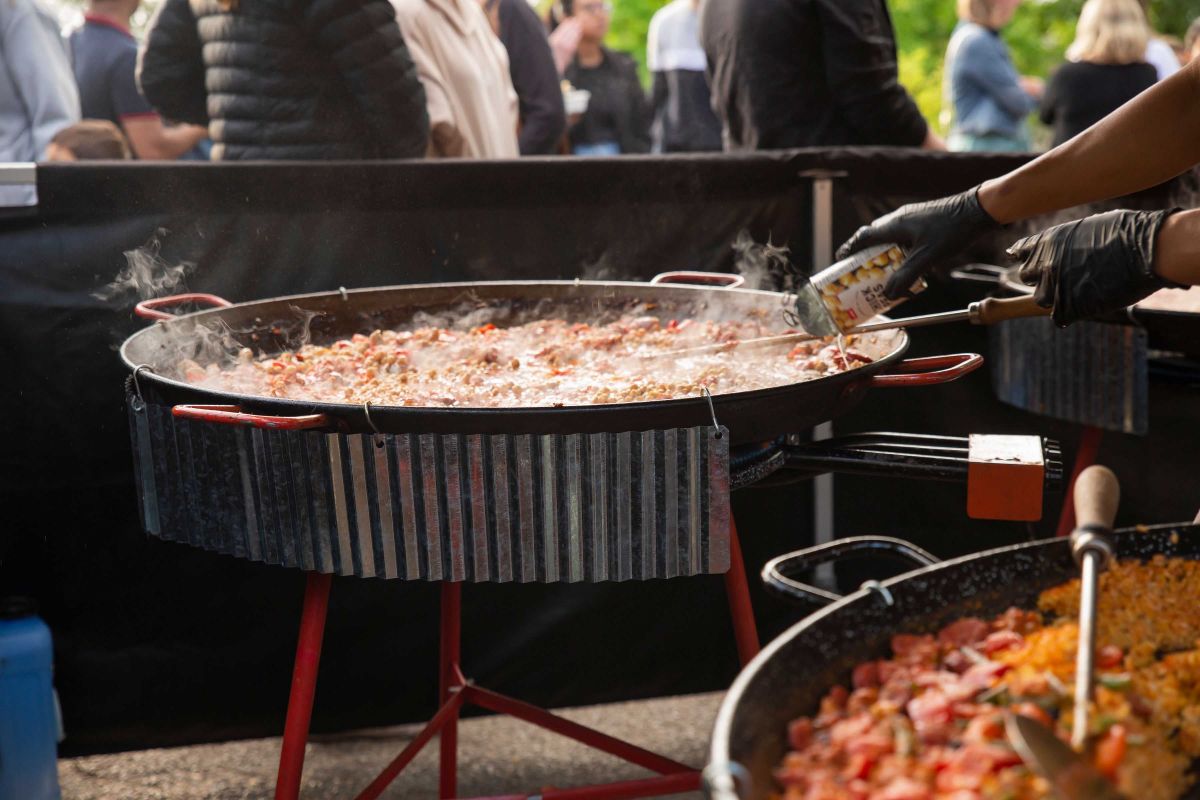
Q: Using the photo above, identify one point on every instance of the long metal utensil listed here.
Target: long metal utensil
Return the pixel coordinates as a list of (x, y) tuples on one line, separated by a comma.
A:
[(1068, 769), (983, 312), (1071, 775), (1097, 494)]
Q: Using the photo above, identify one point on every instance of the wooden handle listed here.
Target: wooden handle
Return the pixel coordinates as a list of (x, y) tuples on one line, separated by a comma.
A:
[(999, 309), (1097, 494)]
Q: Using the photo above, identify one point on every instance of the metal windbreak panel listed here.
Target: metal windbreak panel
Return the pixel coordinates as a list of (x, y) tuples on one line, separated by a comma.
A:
[(549, 499), (452, 479), (644, 471), (364, 498), (720, 518), (143, 458), (1092, 373), (670, 505), (623, 505), (431, 478), (526, 525), (694, 501), (387, 523), (320, 485), (599, 504), (408, 511), (477, 497), (547, 508), (502, 529), (573, 506), (343, 559)]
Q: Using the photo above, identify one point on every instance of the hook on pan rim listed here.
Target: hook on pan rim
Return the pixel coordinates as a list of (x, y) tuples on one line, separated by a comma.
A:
[(712, 409), (137, 386)]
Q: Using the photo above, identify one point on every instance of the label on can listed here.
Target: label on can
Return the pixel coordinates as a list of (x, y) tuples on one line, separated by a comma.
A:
[(863, 301), (852, 289)]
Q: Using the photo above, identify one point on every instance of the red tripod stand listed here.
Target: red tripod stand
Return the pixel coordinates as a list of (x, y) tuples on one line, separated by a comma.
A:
[(455, 691)]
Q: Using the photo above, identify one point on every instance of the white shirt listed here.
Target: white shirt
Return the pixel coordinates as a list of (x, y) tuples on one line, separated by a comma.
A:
[(673, 40), (38, 97), (1160, 56)]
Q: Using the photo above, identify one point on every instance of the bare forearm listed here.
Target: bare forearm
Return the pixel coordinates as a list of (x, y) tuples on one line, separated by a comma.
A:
[(1148, 141), (179, 139), (1177, 252), (151, 140)]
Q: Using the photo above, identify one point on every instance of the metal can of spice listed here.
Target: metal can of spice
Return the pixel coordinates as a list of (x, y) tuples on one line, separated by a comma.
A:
[(850, 292)]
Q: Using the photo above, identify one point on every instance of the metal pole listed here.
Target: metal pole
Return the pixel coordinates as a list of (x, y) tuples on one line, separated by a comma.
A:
[(822, 257)]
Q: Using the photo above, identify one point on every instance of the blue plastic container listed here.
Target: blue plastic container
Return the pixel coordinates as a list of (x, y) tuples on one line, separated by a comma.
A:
[(28, 716)]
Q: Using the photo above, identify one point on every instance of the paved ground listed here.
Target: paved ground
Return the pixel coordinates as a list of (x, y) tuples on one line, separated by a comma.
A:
[(497, 755)]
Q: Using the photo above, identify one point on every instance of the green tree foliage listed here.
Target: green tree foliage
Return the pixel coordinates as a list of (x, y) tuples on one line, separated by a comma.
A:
[(1038, 36), (630, 20)]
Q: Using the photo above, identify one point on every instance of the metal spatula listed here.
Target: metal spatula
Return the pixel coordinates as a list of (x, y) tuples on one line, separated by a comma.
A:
[(1072, 777)]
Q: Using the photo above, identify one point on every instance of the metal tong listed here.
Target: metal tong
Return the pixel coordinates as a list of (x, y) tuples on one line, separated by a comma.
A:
[(982, 312)]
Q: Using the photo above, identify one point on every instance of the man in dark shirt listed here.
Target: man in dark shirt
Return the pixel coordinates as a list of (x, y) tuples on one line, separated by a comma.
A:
[(534, 76), (808, 73), (683, 117), (104, 56)]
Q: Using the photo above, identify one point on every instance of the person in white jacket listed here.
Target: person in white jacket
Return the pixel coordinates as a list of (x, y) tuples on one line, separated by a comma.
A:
[(464, 68), (38, 97)]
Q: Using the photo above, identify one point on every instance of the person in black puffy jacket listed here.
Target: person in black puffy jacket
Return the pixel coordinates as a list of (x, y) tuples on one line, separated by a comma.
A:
[(287, 79)]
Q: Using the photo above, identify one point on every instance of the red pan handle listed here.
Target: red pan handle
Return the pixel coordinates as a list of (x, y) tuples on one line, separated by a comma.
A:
[(148, 309), (233, 415), (722, 279), (930, 371)]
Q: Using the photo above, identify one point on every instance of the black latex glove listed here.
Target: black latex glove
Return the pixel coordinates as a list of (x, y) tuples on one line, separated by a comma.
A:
[(932, 234), (1094, 265)]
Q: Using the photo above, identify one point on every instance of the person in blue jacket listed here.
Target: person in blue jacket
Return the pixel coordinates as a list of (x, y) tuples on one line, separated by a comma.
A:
[(990, 101)]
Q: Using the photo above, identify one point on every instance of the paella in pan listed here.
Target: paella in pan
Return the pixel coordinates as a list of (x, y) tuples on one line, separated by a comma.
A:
[(927, 723), (548, 361)]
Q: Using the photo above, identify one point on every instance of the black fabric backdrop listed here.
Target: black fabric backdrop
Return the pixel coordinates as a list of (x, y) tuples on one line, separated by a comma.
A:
[(159, 644)]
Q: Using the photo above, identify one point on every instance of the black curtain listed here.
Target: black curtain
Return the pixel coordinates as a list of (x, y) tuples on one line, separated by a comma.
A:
[(160, 644)]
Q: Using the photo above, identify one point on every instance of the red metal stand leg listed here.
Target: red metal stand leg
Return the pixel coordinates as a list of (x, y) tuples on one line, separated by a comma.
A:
[(447, 713), (622, 790), (304, 685), (1089, 446), (448, 682), (493, 701), (456, 692), (745, 632)]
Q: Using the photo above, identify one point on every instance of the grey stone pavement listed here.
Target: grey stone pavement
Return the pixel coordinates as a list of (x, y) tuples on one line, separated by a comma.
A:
[(497, 755)]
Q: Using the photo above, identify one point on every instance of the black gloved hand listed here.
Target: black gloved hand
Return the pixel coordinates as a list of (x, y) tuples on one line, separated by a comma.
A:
[(1094, 265), (932, 234)]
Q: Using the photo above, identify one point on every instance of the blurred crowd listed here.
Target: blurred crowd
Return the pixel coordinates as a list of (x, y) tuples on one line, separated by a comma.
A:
[(367, 79)]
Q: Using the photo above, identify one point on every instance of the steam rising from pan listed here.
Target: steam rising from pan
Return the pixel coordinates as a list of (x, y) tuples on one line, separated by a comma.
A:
[(146, 275), (764, 266)]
